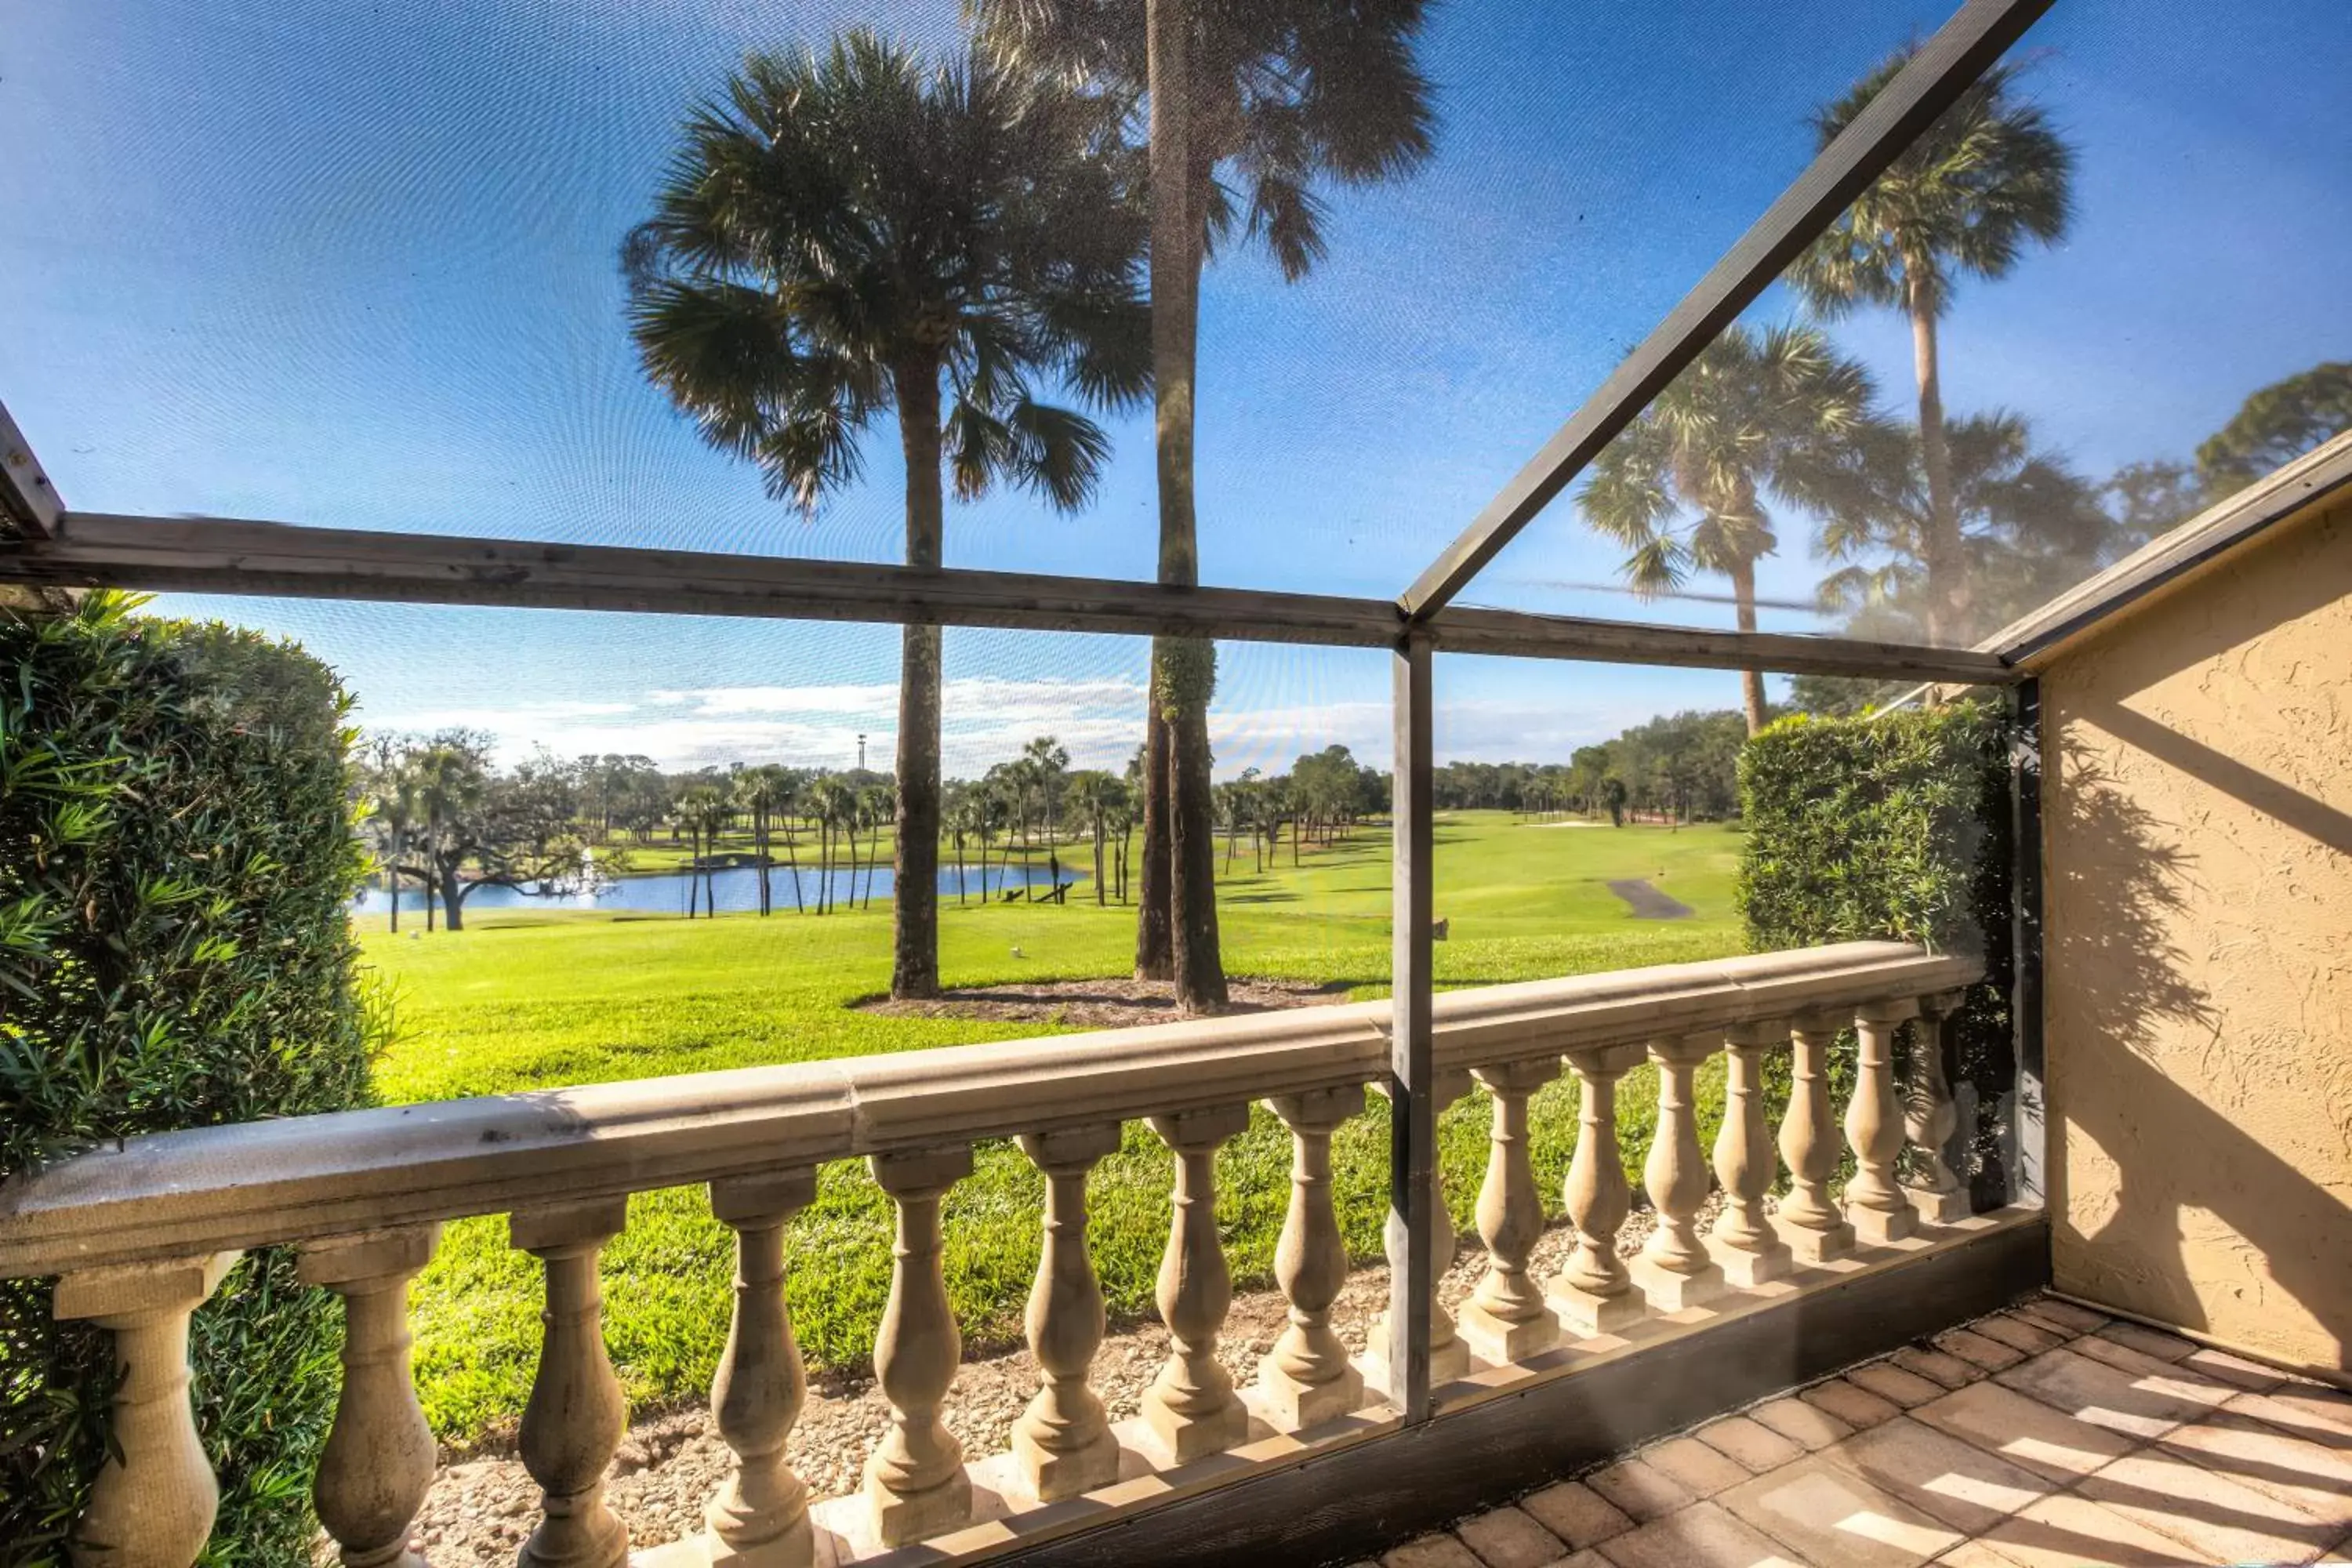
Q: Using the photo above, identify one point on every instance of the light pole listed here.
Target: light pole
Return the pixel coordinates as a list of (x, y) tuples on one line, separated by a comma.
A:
[(861, 753)]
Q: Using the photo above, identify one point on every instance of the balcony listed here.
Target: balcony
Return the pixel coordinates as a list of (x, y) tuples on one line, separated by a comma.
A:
[(1530, 1375)]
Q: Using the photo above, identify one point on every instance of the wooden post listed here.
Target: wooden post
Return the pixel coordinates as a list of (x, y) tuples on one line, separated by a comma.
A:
[(1413, 1120)]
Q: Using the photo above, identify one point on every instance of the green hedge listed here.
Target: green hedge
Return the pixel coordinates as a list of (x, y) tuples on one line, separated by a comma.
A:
[(175, 857), (1893, 826)]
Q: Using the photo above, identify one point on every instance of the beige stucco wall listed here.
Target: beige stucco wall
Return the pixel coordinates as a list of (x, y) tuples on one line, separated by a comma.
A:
[(2197, 821)]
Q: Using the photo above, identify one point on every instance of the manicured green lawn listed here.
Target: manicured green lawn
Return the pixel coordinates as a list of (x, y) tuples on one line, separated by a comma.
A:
[(523, 1000)]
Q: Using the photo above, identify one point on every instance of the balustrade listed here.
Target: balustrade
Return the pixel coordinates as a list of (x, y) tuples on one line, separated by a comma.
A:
[(1307, 1379), (757, 1138), (915, 1483), (1595, 1293), (1808, 1222), (760, 1517), (377, 1464), (1505, 1318), (1062, 1440), (576, 1415), (1874, 1204), (1929, 1117)]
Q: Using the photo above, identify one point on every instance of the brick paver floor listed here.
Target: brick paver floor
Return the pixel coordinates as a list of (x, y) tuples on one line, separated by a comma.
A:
[(2043, 1437)]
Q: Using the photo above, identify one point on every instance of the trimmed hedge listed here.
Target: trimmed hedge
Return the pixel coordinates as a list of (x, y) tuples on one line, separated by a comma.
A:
[(1894, 826), (176, 856)]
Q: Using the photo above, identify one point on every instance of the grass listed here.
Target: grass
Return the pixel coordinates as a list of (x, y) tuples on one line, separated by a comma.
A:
[(527, 999)]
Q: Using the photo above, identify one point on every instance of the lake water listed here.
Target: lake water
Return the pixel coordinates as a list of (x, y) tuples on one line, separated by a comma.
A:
[(737, 889)]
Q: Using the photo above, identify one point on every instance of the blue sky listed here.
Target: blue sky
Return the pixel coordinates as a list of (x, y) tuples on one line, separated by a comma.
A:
[(351, 264)]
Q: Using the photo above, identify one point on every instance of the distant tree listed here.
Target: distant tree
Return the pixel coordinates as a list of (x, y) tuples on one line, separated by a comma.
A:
[(1613, 795), (1275, 95), (2276, 426), (1988, 178), (388, 789), (2152, 498), (1683, 485), (479, 829), (841, 233)]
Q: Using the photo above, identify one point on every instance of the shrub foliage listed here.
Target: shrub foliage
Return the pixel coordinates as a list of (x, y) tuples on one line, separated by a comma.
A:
[(175, 857), (1894, 826)]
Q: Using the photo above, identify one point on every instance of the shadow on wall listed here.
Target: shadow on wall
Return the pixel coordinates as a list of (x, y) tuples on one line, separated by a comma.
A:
[(2130, 1002)]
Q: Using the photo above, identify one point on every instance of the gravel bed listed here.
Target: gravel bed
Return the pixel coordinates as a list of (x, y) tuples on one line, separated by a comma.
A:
[(482, 1507)]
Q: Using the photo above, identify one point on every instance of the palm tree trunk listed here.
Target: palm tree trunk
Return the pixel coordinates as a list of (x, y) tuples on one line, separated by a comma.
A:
[(1751, 682), (915, 865), (1155, 935), (1948, 593)]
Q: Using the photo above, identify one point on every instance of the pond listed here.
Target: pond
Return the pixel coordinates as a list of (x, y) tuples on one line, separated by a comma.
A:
[(736, 889)]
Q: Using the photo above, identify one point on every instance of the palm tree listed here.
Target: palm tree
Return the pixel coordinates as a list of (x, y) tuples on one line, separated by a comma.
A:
[(391, 791), (2030, 526), (1965, 198), (1682, 488), (840, 235), (1281, 95)]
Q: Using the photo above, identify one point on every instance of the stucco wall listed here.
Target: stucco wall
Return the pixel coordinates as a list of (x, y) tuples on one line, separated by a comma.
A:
[(2197, 814)]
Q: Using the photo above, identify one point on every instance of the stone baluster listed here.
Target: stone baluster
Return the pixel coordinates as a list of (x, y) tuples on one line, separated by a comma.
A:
[(1874, 1206), (1062, 1441), (1674, 1270), (1191, 1407), (1506, 1318), (153, 1502), (1307, 1379), (915, 1483), (1449, 1356), (1595, 1294), (575, 1414), (1746, 1247), (1929, 1117), (1810, 1225), (377, 1464), (760, 1517)]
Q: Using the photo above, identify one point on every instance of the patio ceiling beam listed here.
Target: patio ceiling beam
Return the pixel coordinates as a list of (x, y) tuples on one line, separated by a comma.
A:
[(1945, 67), (227, 555), (27, 496)]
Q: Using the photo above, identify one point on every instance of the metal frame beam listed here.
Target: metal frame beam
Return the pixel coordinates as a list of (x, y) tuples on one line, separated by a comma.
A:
[(27, 496), (1944, 67), (223, 556), (1413, 1101)]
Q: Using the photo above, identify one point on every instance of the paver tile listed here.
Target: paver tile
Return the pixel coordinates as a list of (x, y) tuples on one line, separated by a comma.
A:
[(2139, 1363), (2024, 1431), (1937, 1366), (1577, 1515), (2105, 1396), (1639, 1491), (1754, 1445), (2033, 1312), (1831, 1516), (2017, 1333), (2149, 1341), (2216, 1518), (1800, 1423), (2321, 1414), (2224, 1367), (1990, 1354), (1938, 1474), (1702, 1471), (1507, 1538), (2075, 1319), (1973, 1554), (1430, 1551), (1700, 1536), (2066, 1531), (1857, 1407), (1894, 1384), (2295, 1471), (1585, 1559)]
